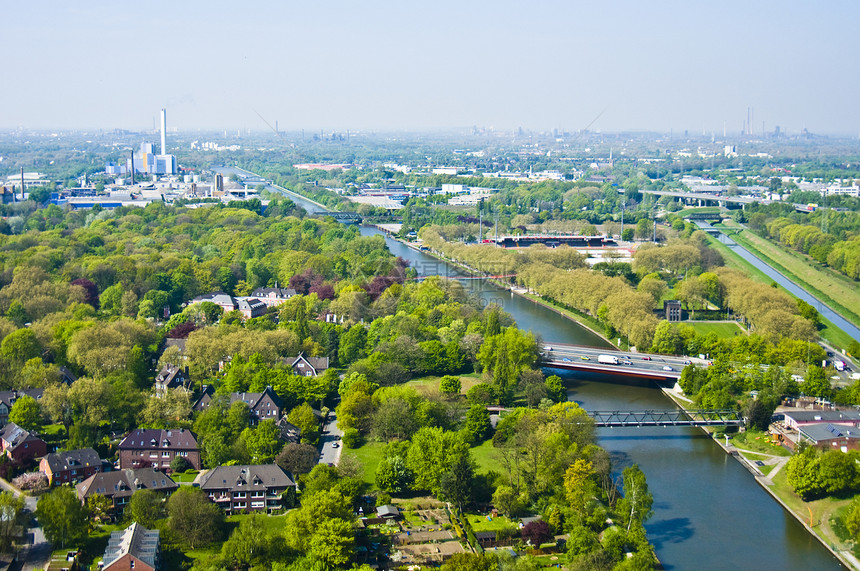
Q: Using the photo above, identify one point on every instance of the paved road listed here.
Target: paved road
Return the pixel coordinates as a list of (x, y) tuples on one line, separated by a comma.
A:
[(629, 362), (792, 287), (330, 445)]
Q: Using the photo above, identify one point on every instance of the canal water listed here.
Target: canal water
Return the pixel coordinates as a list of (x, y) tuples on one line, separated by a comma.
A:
[(709, 513)]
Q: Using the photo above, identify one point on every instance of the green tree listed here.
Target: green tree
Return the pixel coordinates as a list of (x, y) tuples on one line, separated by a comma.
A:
[(99, 508), (63, 517), (455, 484), (20, 346), (450, 385), (431, 454), (635, 506), (194, 519), (263, 442), (393, 476), (478, 425), (332, 543), (305, 420), (249, 545), (804, 473), (297, 458), (816, 383), (146, 507), (555, 390), (26, 413)]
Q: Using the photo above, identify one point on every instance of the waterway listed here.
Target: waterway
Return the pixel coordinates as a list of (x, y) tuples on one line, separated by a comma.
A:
[(709, 512), (794, 289)]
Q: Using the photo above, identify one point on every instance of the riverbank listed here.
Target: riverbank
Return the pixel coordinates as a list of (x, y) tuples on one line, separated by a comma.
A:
[(586, 323), (766, 482)]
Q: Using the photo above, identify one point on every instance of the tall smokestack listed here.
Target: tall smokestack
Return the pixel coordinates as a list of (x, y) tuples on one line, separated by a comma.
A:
[(22, 183), (132, 168), (164, 131)]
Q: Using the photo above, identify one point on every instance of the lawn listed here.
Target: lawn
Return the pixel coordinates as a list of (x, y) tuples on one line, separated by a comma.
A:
[(818, 512), (723, 330), (369, 455), (186, 477), (481, 523), (430, 385), (487, 458), (757, 441)]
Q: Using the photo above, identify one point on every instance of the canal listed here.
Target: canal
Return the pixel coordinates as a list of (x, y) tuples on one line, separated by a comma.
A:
[(709, 513)]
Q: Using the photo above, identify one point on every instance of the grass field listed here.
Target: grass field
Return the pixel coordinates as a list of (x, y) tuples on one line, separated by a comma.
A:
[(816, 513), (832, 287), (430, 384), (487, 458), (723, 330), (757, 441), (369, 455), (481, 523)]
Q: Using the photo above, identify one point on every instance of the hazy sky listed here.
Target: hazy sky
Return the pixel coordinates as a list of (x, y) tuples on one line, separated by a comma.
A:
[(436, 64)]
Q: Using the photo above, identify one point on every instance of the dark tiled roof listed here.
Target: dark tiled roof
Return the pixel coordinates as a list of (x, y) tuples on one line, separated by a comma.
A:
[(73, 459), (255, 477), (122, 483), (14, 435), (276, 292), (147, 438), (9, 397), (253, 398)]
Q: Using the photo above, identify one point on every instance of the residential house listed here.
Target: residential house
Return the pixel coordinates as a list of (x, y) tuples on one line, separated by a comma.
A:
[(224, 301), (255, 488), (119, 485), (307, 366), (21, 445), (144, 447), (171, 377), (273, 296), (289, 431), (135, 547), (8, 398), (249, 306), (70, 466), (264, 405)]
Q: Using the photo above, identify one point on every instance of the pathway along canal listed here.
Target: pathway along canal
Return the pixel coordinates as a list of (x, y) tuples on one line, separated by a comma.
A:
[(709, 512)]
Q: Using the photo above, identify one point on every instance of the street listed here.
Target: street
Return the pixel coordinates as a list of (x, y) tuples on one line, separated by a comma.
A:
[(331, 434)]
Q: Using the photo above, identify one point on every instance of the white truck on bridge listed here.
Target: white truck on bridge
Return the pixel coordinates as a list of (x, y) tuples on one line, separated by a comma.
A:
[(607, 359)]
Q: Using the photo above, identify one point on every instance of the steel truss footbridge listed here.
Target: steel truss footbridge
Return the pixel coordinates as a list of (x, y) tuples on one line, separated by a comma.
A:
[(623, 418)]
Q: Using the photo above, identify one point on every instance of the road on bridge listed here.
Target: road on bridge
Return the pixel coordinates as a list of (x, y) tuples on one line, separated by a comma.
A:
[(586, 358)]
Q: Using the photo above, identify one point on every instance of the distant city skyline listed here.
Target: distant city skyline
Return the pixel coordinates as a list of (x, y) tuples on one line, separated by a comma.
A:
[(388, 66)]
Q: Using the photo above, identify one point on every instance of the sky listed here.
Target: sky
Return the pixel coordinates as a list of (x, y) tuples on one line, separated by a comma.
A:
[(612, 65)]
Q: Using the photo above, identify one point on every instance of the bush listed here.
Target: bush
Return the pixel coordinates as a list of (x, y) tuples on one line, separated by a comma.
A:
[(180, 464), (351, 438)]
